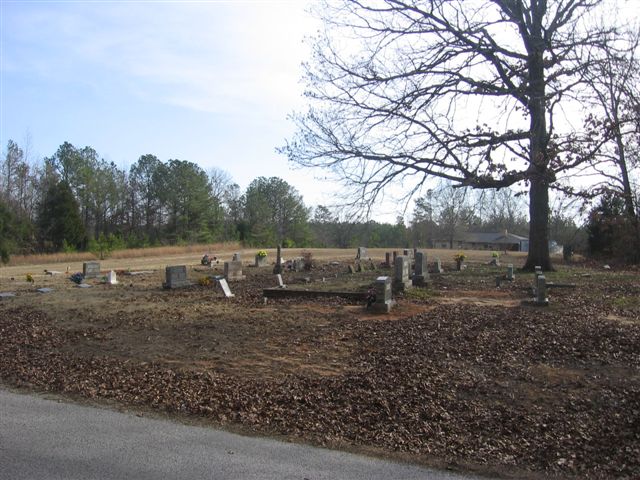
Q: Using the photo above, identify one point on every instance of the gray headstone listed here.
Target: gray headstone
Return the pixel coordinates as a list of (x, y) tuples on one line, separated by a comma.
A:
[(225, 288), (91, 269), (236, 258), (439, 268), (84, 285), (401, 273), (44, 290), (260, 261), (6, 295), (421, 275), (176, 277), (383, 302), (541, 291), (233, 271), (362, 253), (510, 275), (298, 264)]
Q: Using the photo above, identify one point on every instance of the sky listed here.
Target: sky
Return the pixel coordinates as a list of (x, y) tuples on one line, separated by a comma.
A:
[(208, 81), (211, 82)]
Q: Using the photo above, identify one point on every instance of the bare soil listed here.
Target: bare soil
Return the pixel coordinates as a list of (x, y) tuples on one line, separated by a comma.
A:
[(460, 374)]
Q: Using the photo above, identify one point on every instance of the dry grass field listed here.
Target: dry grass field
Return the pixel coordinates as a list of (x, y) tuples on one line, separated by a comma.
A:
[(461, 374)]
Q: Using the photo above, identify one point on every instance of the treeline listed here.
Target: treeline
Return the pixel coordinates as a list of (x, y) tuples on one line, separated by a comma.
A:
[(75, 200)]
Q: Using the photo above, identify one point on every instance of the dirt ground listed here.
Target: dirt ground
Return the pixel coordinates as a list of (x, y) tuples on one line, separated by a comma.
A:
[(461, 373)]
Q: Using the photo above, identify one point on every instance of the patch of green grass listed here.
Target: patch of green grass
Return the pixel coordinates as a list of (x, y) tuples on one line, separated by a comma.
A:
[(627, 302), (420, 294)]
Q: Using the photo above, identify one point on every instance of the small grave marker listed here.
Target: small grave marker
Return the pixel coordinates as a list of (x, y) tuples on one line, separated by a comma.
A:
[(44, 290), (236, 257), (387, 259), (541, 291), (91, 269), (421, 275), (176, 277), (7, 295), (362, 253), (439, 268), (233, 271), (383, 299), (225, 288), (280, 282), (298, 264), (84, 285), (401, 279), (112, 278), (510, 276)]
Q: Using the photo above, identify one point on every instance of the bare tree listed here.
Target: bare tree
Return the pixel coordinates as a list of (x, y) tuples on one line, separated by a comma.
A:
[(615, 97), (465, 90)]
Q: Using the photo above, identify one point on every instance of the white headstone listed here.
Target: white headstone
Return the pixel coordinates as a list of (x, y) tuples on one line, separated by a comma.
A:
[(112, 278), (280, 282), (225, 288)]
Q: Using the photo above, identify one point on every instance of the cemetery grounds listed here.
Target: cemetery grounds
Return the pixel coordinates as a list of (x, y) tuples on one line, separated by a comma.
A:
[(461, 374)]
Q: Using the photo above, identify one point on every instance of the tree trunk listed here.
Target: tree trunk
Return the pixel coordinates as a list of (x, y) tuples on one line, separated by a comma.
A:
[(538, 226), (538, 151)]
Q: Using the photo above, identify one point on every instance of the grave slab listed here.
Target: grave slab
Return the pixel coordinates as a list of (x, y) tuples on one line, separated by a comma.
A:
[(225, 288)]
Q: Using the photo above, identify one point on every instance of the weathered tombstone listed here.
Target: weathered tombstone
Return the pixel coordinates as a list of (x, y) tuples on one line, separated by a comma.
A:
[(233, 271), (421, 275), (225, 288), (278, 267), (112, 278), (91, 269), (401, 278), (538, 270), (298, 264), (382, 290), (362, 253), (541, 291), (395, 255), (510, 276), (84, 285), (176, 277), (387, 259), (261, 260), (439, 268), (280, 282), (236, 258), (408, 253), (44, 290), (7, 295)]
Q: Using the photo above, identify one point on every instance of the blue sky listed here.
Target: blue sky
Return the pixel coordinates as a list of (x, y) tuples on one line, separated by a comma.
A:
[(211, 82)]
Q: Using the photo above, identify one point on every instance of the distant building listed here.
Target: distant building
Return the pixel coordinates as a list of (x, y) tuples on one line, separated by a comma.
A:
[(486, 241)]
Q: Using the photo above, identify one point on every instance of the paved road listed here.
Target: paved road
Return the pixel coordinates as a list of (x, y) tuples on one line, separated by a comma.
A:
[(46, 439)]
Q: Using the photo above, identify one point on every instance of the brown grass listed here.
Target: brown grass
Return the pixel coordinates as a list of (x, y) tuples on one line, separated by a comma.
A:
[(61, 257)]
